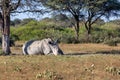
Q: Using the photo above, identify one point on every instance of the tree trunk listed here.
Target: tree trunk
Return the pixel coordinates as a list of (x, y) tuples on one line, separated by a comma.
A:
[(89, 34), (77, 30), (5, 44), (5, 35), (6, 28)]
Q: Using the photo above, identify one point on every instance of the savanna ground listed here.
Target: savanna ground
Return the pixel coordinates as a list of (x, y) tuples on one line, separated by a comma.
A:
[(80, 62)]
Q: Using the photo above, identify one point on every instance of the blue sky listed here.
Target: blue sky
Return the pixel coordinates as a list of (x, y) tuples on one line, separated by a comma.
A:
[(28, 15)]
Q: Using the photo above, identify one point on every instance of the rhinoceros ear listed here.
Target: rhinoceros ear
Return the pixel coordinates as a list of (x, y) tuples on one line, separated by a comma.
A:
[(57, 41)]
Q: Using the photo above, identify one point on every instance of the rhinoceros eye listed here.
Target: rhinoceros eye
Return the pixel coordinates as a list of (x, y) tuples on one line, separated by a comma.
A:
[(50, 42)]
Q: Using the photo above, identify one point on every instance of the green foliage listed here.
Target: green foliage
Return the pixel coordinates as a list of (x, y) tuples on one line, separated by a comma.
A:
[(27, 33), (67, 36), (40, 30), (107, 33), (1, 52), (27, 20), (113, 41), (87, 10), (15, 22)]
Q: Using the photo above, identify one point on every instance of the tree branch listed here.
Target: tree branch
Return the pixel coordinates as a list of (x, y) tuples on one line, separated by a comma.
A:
[(97, 18), (14, 6), (40, 11)]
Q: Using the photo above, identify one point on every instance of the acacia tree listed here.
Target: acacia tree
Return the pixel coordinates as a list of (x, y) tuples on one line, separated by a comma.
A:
[(8, 7), (92, 10), (72, 6), (95, 9)]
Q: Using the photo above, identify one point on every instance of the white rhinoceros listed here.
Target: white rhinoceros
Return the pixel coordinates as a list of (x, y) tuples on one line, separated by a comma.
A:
[(44, 47)]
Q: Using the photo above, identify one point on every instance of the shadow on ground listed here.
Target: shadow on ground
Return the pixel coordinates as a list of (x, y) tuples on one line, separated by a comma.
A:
[(109, 52), (99, 52), (82, 53)]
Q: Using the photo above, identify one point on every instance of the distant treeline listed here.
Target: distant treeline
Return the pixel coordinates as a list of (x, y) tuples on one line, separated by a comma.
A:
[(102, 32)]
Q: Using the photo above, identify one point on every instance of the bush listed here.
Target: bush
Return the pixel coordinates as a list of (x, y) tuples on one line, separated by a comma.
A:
[(14, 37), (26, 21), (43, 29), (39, 32), (1, 52), (113, 42), (66, 38), (102, 35)]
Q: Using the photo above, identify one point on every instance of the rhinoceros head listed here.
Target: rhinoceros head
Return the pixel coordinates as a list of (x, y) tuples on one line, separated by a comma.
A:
[(54, 47)]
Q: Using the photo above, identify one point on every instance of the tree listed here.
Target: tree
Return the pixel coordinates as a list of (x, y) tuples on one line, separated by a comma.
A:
[(74, 7), (95, 9), (8, 7), (92, 10), (27, 20), (61, 20), (15, 22)]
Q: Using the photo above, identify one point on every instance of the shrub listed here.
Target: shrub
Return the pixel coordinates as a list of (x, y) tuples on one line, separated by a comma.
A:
[(113, 42), (26, 21), (66, 38), (103, 35), (43, 29), (1, 52)]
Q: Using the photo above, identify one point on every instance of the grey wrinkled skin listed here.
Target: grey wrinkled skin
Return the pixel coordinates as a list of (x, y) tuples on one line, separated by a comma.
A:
[(43, 47)]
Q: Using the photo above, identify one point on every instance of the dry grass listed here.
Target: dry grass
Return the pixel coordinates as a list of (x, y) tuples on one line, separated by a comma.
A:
[(95, 66), (88, 48)]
